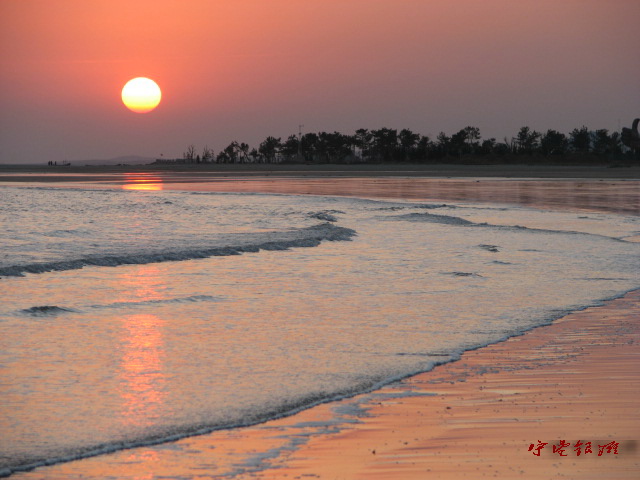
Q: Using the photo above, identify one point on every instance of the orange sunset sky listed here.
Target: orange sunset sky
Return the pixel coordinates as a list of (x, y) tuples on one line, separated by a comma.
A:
[(245, 69)]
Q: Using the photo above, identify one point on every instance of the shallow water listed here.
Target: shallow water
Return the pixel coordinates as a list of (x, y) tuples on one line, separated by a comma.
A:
[(112, 343)]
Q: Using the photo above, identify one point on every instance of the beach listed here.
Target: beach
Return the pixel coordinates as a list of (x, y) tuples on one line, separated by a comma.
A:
[(483, 415), (573, 381)]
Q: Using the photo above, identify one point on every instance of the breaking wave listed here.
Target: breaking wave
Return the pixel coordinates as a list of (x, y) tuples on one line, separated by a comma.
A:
[(303, 237), (146, 303), (46, 311), (457, 221), (54, 310)]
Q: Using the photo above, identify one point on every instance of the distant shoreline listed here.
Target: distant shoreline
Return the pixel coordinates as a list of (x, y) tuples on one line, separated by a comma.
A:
[(586, 188), (21, 173)]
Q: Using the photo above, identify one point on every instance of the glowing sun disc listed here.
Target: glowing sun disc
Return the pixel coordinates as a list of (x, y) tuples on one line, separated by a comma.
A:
[(141, 95)]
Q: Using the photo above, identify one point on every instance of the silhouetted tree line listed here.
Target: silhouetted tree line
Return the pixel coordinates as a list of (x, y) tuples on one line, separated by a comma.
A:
[(391, 145)]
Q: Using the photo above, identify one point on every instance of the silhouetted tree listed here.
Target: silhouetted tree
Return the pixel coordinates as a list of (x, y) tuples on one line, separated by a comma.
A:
[(510, 145), (443, 143), (385, 142), (322, 146), (472, 135), (465, 141), (333, 147), (502, 148), (580, 140), (234, 151), (207, 155), (243, 152), (527, 141), (615, 143), (488, 146), (424, 148), (554, 143), (407, 141), (290, 146), (309, 143), (270, 148), (601, 142), (363, 140), (223, 157), (459, 142), (190, 155)]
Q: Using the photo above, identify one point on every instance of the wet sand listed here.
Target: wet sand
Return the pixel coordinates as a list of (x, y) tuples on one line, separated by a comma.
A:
[(594, 188), (537, 169), (576, 380)]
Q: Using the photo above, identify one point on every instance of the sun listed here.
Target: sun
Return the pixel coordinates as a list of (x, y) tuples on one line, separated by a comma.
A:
[(141, 95)]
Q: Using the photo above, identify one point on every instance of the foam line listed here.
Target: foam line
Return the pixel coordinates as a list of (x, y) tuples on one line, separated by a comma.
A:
[(304, 237)]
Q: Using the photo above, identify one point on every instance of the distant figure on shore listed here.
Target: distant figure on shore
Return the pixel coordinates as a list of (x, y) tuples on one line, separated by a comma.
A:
[(630, 136)]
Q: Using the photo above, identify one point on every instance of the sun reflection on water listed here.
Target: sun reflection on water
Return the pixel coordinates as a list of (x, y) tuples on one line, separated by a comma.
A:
[(142, 376), (142, 181), (141, 371)]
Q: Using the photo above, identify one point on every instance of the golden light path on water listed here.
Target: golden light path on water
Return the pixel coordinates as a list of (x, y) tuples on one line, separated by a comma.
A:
[(142, 181), (142, 379)]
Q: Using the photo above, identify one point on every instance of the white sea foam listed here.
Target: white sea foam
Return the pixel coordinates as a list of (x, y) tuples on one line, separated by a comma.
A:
[(304, 237)]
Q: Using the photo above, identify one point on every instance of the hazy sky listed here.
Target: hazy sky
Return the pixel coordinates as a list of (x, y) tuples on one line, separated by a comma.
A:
[(245, 69)]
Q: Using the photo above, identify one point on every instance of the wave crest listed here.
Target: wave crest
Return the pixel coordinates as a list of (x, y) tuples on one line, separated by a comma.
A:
[(303, 237), (46, 311)]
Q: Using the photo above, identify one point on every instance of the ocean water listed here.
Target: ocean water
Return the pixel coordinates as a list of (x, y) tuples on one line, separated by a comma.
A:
[(132, 317)]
